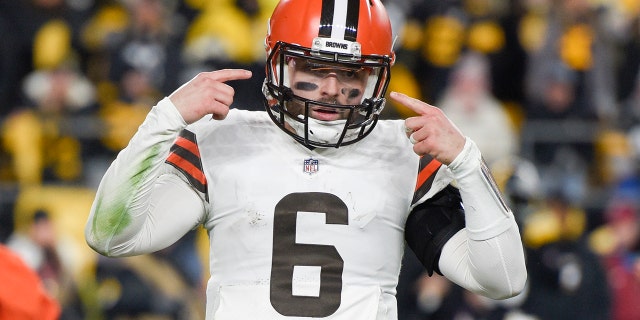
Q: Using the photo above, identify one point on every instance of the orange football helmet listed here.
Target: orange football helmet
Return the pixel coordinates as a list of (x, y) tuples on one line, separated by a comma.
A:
[(352, 36)]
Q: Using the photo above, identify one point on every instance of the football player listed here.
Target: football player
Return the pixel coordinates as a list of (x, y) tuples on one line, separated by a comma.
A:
[(308, 218)]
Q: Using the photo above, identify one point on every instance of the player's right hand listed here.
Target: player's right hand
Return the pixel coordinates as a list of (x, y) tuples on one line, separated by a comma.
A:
[(207, 93)]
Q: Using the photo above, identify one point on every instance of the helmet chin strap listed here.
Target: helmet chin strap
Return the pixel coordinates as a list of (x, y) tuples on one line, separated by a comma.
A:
[(323, 131)]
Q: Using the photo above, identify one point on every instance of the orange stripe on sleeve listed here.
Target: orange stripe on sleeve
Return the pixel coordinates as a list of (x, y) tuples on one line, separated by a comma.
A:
[(188, 167), (427, 172), (189, 145)]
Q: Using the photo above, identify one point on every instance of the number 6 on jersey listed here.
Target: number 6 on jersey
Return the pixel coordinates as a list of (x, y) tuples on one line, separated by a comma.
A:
[(287, 254)]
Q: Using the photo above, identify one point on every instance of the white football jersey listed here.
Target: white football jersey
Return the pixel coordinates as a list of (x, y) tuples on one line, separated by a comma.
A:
[(298, 233)]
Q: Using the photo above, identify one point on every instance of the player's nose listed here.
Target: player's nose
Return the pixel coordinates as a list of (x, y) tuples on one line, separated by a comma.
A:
[(330, 86)]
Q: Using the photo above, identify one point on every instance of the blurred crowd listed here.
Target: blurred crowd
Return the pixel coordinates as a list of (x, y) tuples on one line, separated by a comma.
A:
[(548, 89)]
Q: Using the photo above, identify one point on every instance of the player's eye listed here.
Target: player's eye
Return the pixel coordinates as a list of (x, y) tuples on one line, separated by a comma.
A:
[(348, 74)]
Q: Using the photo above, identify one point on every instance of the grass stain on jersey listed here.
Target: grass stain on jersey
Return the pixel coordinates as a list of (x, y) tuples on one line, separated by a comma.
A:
[(111, 219)]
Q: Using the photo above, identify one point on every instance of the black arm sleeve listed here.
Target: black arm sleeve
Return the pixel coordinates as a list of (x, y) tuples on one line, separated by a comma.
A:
[(432, 223)]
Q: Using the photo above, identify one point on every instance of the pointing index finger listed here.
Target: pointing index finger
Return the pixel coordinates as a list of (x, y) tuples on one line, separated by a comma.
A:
[(224, 75), (416, 105)]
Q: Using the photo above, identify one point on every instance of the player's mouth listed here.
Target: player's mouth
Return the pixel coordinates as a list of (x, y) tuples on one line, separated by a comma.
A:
[(326, 114)]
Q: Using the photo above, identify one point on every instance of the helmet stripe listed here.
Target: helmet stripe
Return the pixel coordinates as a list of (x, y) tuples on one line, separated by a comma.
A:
[(339, 19), (326, 19), (351, 25)]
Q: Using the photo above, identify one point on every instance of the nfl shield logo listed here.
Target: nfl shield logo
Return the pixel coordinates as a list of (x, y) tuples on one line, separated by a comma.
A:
[(310, 166)]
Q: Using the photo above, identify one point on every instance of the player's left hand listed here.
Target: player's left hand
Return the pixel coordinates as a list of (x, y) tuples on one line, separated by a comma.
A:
[(431, 132)]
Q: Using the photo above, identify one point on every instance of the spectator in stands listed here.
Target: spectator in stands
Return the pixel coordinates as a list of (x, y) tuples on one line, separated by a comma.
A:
[(227, 34), (21, 23), (468, 101), (618, 242), (42, 148), (573, 66), (38, 247), (149, 49), (22, 295), (565, 275)]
